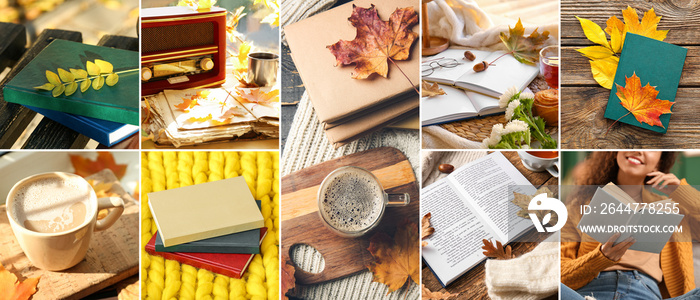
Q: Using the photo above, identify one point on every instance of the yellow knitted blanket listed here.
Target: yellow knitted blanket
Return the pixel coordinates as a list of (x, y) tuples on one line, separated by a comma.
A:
[(168, 279)]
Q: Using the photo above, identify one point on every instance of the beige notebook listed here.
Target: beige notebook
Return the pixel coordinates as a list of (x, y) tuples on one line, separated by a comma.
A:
[(334, 94), (346, 133), (204, 211), (380, 114)]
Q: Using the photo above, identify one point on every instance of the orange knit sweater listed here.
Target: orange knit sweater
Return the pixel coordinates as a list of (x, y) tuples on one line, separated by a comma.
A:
[(582, 261)]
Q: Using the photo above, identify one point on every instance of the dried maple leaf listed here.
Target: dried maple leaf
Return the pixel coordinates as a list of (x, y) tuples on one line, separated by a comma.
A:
[(11, 289), (86, 167), (426, 294), (426, 229), (396, 260), (258, 96), (642, 102), (524, 49), (288, 280), (376, 41), (429, 90), (497, 251), (199, 119), (130, 292), (188, 103)]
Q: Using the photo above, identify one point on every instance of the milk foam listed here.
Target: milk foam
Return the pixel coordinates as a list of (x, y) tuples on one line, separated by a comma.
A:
[(50, 199), (352, 201)]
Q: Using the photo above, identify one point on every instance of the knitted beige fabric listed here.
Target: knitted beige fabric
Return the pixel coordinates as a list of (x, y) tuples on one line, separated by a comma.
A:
[(535, 275)]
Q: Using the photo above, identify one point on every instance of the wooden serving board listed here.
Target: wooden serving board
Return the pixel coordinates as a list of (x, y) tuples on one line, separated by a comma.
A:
[(113, 255), (301, 223)]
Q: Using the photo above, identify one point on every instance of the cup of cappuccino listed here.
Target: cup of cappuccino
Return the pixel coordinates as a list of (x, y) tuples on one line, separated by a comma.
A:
[(351, 201), (53, 216)]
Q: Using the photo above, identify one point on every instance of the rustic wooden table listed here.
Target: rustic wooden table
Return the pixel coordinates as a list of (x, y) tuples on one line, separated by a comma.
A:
[(471, 285), (14, 118), (583, 100)]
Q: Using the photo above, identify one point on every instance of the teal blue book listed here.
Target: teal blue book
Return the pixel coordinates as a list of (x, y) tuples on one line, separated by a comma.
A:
[(656, 63), (118, 103)]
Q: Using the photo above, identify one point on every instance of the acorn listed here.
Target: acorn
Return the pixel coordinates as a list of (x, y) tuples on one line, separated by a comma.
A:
[(468, 55), (446, 168), (480, 67)]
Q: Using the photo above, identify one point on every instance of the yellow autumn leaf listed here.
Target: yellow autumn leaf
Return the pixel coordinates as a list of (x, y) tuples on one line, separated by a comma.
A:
[(596, 52), (98, 82), (85, 85), (46, 87), (206, 4), (65, 75), (58, 90), (112, 79), (79, 73), (616, 29), (648, 25), (53, 78), (105, 67), (604, 71), (593, 32), (92, 68), (71, 88)]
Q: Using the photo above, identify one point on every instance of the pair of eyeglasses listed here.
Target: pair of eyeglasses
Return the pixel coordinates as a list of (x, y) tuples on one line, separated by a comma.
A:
[(428, 67)]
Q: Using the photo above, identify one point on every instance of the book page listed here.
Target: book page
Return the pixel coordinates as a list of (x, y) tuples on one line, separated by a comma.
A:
[(451, 75), (503, 74), (455, 247), (489, 183), (484, 104), (442, 108)]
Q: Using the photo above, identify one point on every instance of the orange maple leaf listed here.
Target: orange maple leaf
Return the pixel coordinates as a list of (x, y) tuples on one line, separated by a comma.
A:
[(430, 295), (86, 167), (258, 97), (188, 103), (426, 229), (11, 289), (396, 260), (497, 251), (376, 41), (642, 102), (524, 49)]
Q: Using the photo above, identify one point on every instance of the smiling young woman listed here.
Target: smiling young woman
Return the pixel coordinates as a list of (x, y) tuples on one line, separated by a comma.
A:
[(608, 271)]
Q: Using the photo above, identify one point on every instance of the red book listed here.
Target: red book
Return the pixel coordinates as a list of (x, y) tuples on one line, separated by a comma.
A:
[(231, 265)]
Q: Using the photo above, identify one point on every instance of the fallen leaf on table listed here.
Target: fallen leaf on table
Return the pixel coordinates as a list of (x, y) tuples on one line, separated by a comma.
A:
[(102, 190), (524, 49), (497, 251), (645, 28), (426, 294), (523, 201), (376, 42), (396, 260), (86, 167), (426, 229), (288, 280), (642, 101), (603, 70), (258, 96), (11, 289), (430, 90), (131, 292)]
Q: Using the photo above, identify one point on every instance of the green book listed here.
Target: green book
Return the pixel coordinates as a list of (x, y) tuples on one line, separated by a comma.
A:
[(118, 103), (657, 63)]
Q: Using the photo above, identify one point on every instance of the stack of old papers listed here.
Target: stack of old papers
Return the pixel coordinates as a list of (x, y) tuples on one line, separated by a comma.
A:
[(188, 117)]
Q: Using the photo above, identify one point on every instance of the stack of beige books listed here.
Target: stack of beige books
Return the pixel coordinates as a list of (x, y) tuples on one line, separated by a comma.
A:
[(350, 108), (194, 116)]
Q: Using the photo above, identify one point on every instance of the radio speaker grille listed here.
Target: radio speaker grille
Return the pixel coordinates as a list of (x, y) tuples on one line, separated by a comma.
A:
[(177, 36)]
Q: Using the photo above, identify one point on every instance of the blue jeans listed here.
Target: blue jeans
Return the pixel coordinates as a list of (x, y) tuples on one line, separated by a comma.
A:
[(622, 285)]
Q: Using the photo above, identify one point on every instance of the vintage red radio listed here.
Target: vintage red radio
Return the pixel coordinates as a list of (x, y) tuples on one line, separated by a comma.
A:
[(182, 48)]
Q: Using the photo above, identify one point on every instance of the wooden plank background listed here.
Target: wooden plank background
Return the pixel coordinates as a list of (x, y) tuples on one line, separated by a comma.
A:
[(583, 101)]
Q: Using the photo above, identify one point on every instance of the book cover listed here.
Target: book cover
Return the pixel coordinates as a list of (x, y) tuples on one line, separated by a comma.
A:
[(104, 132), (118, 103), (228, 264), (241, 242), (656, 63), (203, 211), (334, 94)]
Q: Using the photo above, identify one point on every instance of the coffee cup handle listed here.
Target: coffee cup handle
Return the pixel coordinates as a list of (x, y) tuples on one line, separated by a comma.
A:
[(398, 199), (118, 208), (554, 169)]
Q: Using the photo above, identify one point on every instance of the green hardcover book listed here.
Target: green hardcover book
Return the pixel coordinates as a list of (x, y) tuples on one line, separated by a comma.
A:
[(656, 63), (118, 103)]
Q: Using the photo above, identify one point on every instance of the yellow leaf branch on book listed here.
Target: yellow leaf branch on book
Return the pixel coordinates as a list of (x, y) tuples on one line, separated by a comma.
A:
[(98, 73)]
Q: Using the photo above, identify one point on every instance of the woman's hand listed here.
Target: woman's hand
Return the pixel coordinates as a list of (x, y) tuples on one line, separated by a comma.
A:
[(615, 252), (666, 183)]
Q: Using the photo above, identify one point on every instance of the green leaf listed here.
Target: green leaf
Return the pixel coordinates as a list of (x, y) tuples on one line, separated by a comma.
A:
[(45, 87), (58, 90), (98, 82), (79, 73), (112, 79), (92, 69), (53, 78), (85, 85), (65, 75), (105, 67), (71, 88)]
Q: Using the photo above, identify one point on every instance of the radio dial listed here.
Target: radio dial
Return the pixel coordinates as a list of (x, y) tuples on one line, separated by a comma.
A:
[(206, 64), (146, 74)]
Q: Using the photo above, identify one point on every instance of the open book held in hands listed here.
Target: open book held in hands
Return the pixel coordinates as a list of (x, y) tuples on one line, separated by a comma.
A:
[(611, 208)]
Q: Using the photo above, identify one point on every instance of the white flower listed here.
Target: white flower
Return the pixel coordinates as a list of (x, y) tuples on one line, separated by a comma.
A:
[(527, 95), (507, 96), (511, 109), (516, 126), (495, 138)]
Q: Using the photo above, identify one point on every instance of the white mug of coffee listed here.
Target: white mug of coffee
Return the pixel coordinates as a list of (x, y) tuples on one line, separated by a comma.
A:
[(540, 161), (351, 201), (53, 216)]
